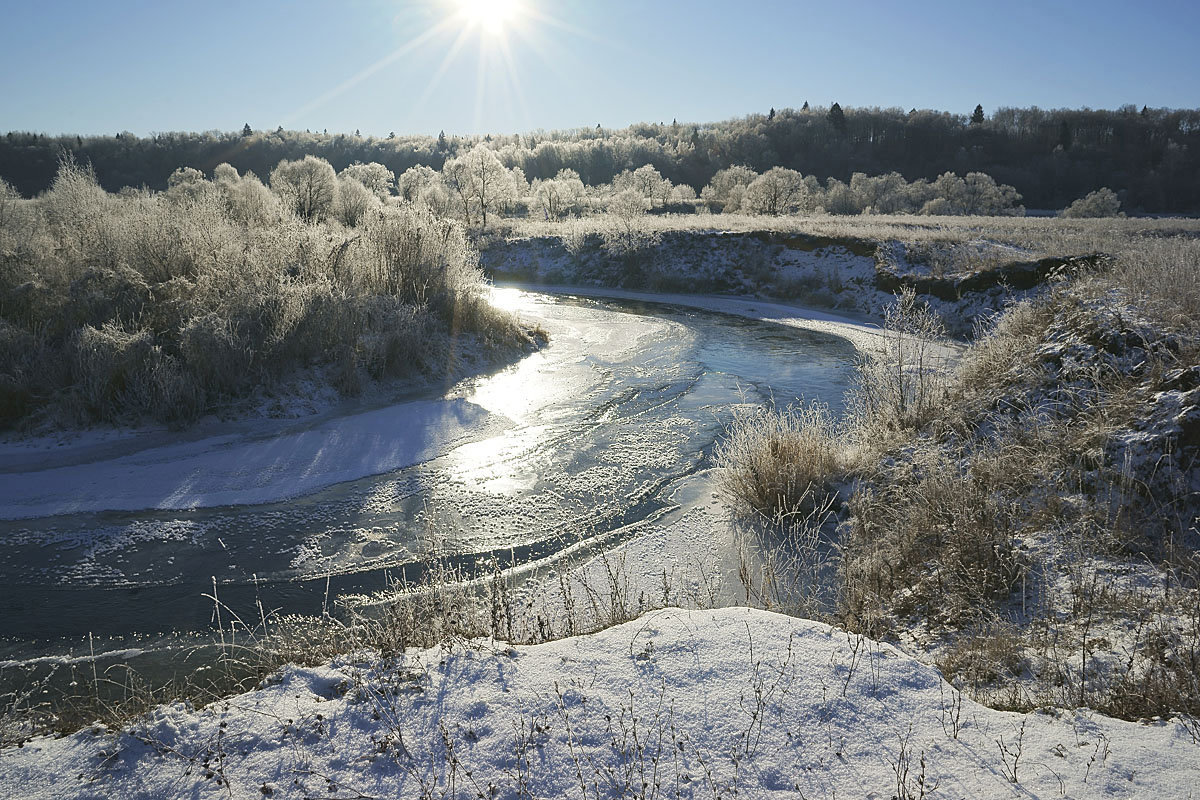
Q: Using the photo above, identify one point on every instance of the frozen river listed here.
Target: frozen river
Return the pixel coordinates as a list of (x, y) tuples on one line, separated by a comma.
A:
[(588, 437)]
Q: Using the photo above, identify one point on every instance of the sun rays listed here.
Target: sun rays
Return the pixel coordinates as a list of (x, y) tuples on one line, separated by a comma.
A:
[(493, 40)]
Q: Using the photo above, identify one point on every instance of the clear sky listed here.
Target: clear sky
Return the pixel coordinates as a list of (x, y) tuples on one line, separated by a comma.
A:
[(420, 66)]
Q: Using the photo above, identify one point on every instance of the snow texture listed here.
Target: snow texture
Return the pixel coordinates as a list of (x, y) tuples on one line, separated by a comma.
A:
[(676, 703), (237, 469)]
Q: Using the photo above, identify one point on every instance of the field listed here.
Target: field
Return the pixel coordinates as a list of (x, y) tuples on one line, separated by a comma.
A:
[(1014, 505)]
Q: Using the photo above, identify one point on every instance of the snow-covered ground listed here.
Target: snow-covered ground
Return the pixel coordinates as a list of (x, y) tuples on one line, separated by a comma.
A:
[(815, 272), (859, 329), (240, 469), (722, 703)]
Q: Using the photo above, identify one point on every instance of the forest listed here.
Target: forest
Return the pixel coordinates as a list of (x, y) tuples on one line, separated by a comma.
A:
[(1149, 157)]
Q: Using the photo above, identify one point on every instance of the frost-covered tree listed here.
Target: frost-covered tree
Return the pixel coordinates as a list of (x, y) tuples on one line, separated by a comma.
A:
[(225, 174), (413, 180), (353, 201), (650, 182), (978, 193), (184, 177), (76, 206), (986, 197), (558, 196), (308, 187), (839, 198), (1101, 203), (948, 196), (881, 194), (250, 202), (377, 178), (628, 207), (683, 194), (435, 198), (479, 181), (727, 188), (777, 191)]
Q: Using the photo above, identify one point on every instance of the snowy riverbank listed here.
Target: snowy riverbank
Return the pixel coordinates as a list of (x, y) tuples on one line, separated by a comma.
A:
[(676, 703), (261, 460)]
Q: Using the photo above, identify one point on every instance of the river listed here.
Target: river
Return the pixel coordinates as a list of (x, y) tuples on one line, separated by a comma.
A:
[(589, 436)]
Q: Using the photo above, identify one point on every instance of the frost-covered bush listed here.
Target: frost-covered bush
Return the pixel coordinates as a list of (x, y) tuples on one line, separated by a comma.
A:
[(904, 383), (782, 191), (308, 187), (353, 201), (116, 308), (726, 189), (376, 178), (1101, 203), (776, 463), (776, 191)]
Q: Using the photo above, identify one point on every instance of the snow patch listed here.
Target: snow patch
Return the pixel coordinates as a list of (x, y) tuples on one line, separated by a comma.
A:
[(676, 703)]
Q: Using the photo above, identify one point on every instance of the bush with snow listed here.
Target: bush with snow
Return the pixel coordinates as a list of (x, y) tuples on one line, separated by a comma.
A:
[(1101, 203)]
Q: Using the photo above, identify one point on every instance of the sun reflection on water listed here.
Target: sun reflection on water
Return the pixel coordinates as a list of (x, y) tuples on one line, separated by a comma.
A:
[(500, 464)]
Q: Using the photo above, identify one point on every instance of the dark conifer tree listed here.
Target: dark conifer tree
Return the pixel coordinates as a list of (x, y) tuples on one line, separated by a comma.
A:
[(246, 131), (977, 116), (837, 117)]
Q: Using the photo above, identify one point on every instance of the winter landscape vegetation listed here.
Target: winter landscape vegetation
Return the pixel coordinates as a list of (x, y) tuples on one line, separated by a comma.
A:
[(823, 451)]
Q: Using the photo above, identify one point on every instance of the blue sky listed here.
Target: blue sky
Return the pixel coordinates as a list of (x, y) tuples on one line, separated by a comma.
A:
[(391, 65)]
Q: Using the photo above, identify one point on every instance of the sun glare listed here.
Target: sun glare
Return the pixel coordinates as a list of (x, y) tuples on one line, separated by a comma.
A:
[(492, 16)]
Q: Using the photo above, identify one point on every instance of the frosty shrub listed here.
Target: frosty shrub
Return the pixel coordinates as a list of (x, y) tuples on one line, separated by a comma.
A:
[(353, 201), (776, 463), (308, 187), (929, 539), (162, 305), (1101, 203), (376, 178), (903, 384)]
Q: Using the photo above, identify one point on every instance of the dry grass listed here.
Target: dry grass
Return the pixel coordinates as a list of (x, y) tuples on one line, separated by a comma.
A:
[(1042, 236), (1003, 527), (776, 464), (117, 308), (929, 541)]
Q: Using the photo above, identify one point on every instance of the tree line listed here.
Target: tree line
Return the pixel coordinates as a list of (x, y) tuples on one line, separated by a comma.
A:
[(1149, 157)]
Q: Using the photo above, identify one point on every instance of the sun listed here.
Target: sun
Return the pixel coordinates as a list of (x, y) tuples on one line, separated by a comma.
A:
[(491, 16)]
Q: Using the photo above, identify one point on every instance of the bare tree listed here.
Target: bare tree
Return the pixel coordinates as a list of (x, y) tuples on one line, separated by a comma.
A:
[(479, 181), (776, 191), (413, 180), (307, 186), (374, 176)]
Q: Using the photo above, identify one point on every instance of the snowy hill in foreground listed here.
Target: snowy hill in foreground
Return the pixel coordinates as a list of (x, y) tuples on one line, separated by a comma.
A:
[(676, 703)]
